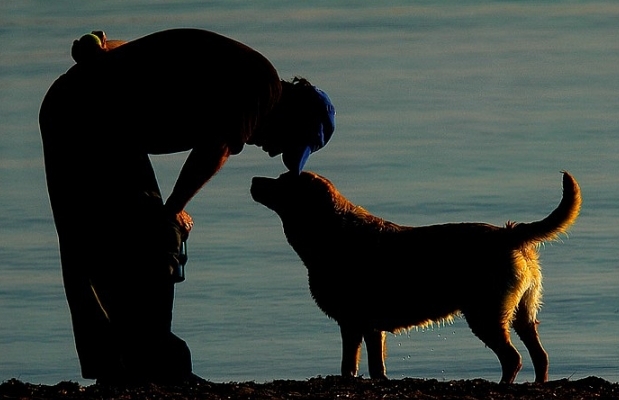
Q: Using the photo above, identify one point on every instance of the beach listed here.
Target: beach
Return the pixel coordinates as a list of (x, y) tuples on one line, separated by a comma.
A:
[(330, 387)]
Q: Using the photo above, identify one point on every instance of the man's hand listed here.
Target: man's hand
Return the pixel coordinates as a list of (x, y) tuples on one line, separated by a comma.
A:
[(185, 222), (178, 228)]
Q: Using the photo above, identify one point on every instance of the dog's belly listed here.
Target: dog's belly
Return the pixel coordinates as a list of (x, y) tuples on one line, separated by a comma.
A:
[(388, 286), (377, 307)]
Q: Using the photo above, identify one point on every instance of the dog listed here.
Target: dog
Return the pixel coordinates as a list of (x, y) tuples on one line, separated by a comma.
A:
[(373, 276)]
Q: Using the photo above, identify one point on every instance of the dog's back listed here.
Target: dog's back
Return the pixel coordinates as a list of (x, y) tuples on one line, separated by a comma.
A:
[(356, 221)]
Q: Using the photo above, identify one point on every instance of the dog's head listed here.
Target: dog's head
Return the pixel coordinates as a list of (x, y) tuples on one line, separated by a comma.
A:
[(296, 196)]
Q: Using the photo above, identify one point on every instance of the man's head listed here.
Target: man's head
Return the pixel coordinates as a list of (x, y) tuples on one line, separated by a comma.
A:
[(301, 123)]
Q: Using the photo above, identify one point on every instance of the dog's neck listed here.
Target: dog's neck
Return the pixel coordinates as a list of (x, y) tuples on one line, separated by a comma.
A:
[(357, 218), (325, 228)]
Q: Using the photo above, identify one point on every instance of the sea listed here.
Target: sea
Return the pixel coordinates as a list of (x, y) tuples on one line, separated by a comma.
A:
[(447, 111)]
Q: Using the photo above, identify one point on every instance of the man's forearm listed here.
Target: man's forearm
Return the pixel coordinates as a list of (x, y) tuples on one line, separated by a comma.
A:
[(199, 168)]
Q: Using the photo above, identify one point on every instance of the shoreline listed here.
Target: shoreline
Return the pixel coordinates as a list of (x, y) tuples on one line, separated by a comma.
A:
[(329, 387)]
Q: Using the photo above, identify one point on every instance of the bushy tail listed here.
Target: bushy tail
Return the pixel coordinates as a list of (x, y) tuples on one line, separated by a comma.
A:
[(557, 222)]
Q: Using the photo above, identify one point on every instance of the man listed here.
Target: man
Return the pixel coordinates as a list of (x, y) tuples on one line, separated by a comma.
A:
[(121, 245)]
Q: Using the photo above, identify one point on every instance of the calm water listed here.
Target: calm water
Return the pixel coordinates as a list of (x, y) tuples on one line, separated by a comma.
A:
[(446, 113)]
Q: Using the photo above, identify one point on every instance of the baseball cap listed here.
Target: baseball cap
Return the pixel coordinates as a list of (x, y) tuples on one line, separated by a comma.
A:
[(295, 158)]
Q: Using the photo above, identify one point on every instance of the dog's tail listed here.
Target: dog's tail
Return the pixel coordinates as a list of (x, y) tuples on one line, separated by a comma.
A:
[(557, 222)]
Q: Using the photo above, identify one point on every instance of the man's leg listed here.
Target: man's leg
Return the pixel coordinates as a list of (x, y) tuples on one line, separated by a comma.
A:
[(91, 328), (136, 289)]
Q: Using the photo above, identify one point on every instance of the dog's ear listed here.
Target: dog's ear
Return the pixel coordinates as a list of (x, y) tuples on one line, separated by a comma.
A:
[(333, 196), (320, 191)]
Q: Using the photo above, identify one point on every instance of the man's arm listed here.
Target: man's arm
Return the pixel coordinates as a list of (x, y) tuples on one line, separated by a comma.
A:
[(200, 166)]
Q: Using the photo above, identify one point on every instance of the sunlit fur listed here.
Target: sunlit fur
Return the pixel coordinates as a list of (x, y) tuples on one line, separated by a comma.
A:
[(374, 276)]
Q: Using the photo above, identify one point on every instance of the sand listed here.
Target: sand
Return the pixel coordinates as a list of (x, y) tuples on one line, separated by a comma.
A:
[(330, 387)]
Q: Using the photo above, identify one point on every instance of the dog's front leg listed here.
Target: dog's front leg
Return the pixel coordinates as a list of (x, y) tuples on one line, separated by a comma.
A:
[(351, 350), (376, 345)]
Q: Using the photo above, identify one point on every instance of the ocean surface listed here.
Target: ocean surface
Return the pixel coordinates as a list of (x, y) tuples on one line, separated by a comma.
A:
[(446, 111)]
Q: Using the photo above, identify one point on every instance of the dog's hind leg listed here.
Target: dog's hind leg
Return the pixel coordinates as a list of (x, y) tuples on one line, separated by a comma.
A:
[(352, 338), (525, 326), (376, 345), (496, 335)]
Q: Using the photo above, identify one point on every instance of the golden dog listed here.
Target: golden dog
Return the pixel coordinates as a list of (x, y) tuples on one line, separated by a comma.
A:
[(373, 276)]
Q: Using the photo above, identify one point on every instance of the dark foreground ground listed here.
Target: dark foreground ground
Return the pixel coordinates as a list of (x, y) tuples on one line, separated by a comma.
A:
[(331, 387)]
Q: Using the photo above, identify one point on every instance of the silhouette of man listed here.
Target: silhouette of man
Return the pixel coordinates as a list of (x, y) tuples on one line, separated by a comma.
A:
[(120, 242)]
